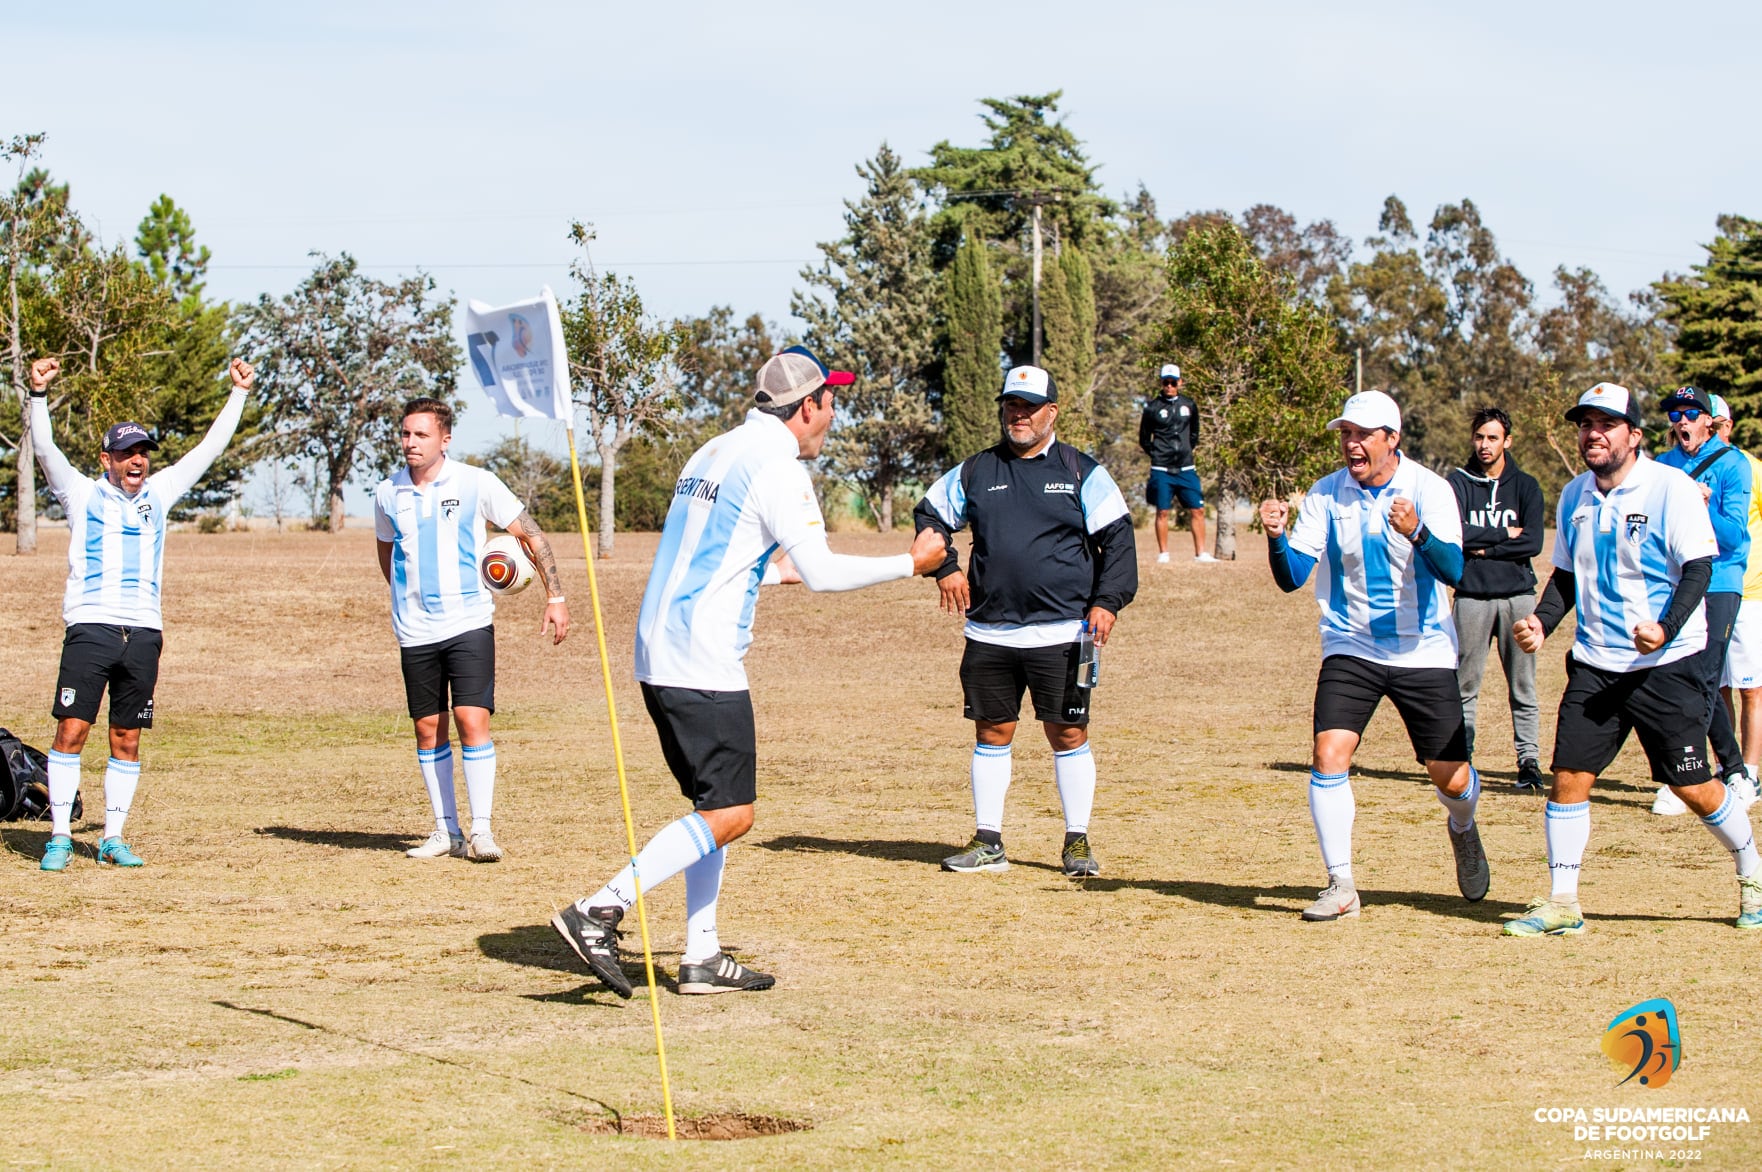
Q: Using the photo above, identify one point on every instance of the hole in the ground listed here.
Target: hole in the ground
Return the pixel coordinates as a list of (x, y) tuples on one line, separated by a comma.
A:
[(718, 1125)]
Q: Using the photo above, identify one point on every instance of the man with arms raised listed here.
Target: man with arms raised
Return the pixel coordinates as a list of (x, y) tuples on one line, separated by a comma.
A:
[(1724, 479), (429, 517), (1634, 553), (1052, 551), (740, 498), (1389, 542), (115, 560)]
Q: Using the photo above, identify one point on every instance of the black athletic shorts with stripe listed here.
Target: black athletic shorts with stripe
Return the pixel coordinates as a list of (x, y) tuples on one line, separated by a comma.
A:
[(709, 743), (463, 666), (1349, 689), (993, 679), (96, 656), (1665, 705)]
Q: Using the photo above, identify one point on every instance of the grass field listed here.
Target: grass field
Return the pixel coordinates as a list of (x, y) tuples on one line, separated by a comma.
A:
[(280, 987)]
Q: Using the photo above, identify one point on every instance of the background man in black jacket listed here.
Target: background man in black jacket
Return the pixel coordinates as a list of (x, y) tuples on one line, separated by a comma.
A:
[(1168, 431), (1502, 515), (1052, 551)]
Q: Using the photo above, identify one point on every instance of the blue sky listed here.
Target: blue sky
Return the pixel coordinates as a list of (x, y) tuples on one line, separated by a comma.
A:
[(712, 144)]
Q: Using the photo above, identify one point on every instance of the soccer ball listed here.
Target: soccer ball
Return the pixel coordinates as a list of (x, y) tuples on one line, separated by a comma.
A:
[(505, 567)]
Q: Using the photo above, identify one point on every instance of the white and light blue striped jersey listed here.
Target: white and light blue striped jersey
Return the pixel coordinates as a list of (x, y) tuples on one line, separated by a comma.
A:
[(436, 532), (1379, 600), (739, 498), (116, 543), (1627, 548)]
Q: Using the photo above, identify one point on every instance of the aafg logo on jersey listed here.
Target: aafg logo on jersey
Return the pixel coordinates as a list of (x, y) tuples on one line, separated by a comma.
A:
[(1063, 486), (1636, 527), (144, 509), (67, 697), (1643, 1041), (450, 508)]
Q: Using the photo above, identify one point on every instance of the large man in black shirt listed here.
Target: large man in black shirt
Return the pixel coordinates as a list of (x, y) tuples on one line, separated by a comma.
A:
[(1052, 552), (1168, 431)]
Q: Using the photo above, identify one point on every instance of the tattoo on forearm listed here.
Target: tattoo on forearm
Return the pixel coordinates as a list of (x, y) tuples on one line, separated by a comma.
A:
[(541, 549)]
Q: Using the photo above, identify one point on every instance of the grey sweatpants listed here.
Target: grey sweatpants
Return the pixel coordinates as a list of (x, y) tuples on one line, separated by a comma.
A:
[(1479, 622)]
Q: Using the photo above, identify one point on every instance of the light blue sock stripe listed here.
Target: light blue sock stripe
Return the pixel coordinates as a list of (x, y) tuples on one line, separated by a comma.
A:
[(1076, 752), (700, 834), (64, 758), (124, 766), (1720, 815), (476, 752), (1327, 780), (992, 750), (440, 753), (1572, 810)]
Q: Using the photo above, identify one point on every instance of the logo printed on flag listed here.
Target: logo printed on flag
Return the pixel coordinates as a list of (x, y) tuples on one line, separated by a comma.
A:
[(517, 354)]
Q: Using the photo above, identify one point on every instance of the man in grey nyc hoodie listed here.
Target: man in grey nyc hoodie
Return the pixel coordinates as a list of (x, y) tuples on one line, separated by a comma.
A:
[(1502, 515)]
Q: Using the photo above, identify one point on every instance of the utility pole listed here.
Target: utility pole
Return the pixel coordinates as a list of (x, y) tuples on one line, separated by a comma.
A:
[(1036, 199), (1358, 378)]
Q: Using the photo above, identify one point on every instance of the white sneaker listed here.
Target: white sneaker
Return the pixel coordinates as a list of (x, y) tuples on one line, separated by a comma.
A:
[(1162, 559), (1203, 557), (438, 845), (1667, 803), (484, 848), (1742, 788)]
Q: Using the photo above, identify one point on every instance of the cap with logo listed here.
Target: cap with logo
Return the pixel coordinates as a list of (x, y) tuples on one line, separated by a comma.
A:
[(1371, 409), (1721, 409), (1689, 397), (1611, 399), (1030, 384), (1170, 370), (123, 436), (793, 375)]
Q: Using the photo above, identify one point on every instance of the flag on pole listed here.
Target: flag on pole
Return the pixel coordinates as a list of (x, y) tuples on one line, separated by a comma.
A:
[(518, 355)]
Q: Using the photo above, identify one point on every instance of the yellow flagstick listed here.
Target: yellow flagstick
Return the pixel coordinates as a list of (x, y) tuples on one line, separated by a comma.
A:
[(599, 628)]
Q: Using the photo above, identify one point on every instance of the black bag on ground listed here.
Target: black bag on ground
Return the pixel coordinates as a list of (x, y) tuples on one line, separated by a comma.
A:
[(24, 781)]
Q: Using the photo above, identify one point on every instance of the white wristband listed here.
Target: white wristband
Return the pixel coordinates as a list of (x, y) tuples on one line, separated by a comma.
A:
[(554, 601)]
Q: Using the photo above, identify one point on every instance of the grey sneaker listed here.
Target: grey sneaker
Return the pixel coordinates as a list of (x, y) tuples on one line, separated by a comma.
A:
[(1338, 902), (979, 856), (439, 845), (594, 937), (1473, 876), (1079, 861), (722, 974)]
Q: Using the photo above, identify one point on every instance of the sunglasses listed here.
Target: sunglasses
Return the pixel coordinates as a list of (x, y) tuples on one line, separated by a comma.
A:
[(1689, 413)]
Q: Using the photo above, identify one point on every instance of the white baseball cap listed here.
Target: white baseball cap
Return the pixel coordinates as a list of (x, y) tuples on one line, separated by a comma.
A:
[(1612, 399), (1721, 409), (1170, 370), (1368, 409)]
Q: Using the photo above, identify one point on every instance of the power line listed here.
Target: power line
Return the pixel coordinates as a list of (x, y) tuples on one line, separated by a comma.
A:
[(556, 264)]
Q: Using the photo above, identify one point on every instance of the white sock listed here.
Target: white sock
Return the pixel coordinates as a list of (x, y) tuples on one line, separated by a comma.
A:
[(1730, 824), (1462, 809), (1332, 807), (480, 783), (1074, 770), (1568, 830), (64, 786), (703, 884), (991, 767), (677, 846), (437, 774), (120, 779)]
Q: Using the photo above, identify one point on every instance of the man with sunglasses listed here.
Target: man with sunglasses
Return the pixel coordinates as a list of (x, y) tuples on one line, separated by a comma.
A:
[(1168, 431), (1633, 552), (1724, 479)]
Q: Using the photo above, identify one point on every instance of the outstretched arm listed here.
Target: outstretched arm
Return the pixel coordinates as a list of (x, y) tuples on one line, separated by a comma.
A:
[(556, 616), (55, 466), (821, 569), (175, 481)]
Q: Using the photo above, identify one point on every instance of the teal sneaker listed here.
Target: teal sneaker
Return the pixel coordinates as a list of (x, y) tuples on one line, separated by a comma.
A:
[(1749, 899), (115, 852), (57, 853), (1548, 918)]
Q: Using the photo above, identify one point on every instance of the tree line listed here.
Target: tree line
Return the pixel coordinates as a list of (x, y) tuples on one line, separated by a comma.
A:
[(989, 255)]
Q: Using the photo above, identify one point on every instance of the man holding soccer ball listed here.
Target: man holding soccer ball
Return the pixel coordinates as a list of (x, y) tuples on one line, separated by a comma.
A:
[(429, 518)]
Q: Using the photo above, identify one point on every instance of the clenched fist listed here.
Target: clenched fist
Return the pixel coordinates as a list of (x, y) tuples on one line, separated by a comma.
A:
[(243, 374), (43, 372), (1528, 633), (1273, 515), (1403, 517)]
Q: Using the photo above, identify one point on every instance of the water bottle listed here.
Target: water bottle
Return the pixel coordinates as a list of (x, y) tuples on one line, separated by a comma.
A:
[(1088, 659)]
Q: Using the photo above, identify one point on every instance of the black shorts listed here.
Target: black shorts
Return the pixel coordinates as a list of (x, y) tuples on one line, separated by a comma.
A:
[(1348, 690), (993, 678), (97, 655), (464, 666), (1666, 705), (709, 743)]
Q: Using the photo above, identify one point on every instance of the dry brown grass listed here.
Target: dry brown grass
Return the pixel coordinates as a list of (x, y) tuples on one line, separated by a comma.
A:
[(281, 987)]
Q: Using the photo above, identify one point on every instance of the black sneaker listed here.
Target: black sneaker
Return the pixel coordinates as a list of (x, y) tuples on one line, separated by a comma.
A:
[(594, 937), (1530, 779), (722, 974), (1079, 861)]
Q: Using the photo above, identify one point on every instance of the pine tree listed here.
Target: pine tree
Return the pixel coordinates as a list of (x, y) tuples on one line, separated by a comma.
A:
[(973, 332), (878, 321), (1718, 317)]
